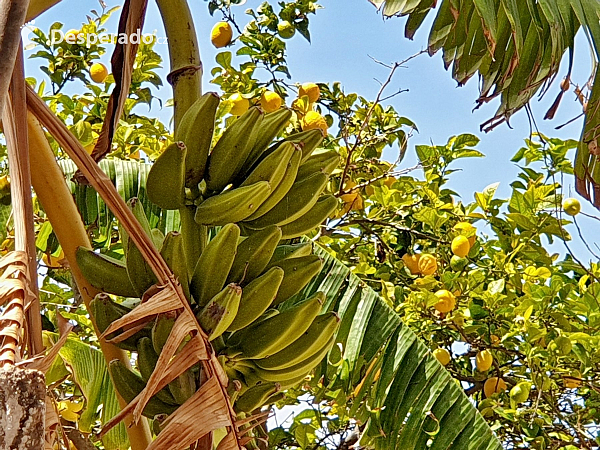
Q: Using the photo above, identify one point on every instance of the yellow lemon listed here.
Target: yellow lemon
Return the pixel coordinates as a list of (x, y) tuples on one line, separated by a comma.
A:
[(412, 263), (311, 90), (71, 36), (484, 360), (466, 229), (221, 34), (98, 72), (446, 302), (270, 101), (239, 104), (285, 29), (442, 355), (427, 264), (460, 246), (68, 410), (571, 206), (313, 120), (520, 392), (493, 386)]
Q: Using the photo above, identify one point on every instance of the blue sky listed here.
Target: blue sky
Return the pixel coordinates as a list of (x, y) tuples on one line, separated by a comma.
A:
[(345, 35)]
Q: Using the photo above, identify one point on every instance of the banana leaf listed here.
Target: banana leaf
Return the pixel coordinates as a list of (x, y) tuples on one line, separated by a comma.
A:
[(516, 47), (129, 177), (416, 398)]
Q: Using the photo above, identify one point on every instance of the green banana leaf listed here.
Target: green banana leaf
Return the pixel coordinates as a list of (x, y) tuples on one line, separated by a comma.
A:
[(416, 397), (516, 47), (91, 375), (129, 177)]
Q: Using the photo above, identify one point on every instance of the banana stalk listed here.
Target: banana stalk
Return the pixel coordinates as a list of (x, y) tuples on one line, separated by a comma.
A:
[(55, 197)]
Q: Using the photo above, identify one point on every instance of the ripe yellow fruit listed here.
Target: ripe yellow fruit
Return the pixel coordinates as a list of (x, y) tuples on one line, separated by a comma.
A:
[(389, 181), (571, 206), (446, 302), (573, 380), (221, 34), (467, 230), (71, 36), (484, 360), (68, 410), (311, 90), (520, 392), (442, 355), (493, 386), (412, 263), (98, 72), (313, 120), (285, 29), (460, 246), (239, 104), (427, 264), (53, 261), (270, 101)]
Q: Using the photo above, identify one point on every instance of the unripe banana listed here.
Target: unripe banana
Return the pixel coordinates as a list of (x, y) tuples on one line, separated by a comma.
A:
[(105, 311), (323, 209), (183, 387), (163, 324), (232, 206), (220, 311), (105, 273), (195, 130), (140, 273), (272, 124), (282, 189), (256, 298), (129, 384), (299, 200), (256, 397), (158, 237), (166, 180), (298, 273), (309, 141), (289, 251), (300, 369), (232, 150), (311, 342), (174, 255), (272, 335), (146, 362), (272, 168), (325, 162), (253, 255), (214, 265)]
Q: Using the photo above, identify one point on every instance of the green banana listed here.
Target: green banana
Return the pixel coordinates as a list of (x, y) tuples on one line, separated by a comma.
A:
[(272, 168), (139, 271), (135, 206), (312, 341), (282, 189), (174, 255), (272, 124), (299, 200), (257, 296), (298, 273), (158, 237), (232, 149), (307, 140), (166, 180), (300, 369), (256, 397), (233, 205), (274, 334), (210, 273), (253, 255), (163, 324), (325, 162), (105, 311), (105, 273), (194, 236), (183, 387), (220, 312), (129, 384), (321, 210), (289, 251), (146, 362), (196, 131)]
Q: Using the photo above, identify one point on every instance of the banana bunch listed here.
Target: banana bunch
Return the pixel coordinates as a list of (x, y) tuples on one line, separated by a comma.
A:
[(244, 178)]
